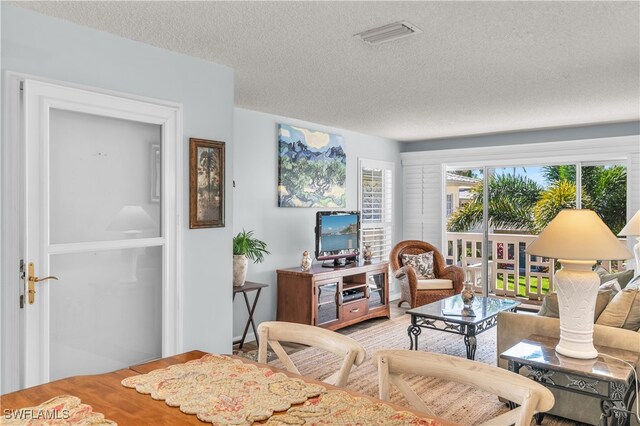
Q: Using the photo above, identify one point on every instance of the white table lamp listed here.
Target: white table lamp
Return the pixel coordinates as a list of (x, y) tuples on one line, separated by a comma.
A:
[(632, 229), (131, 220), (577, 238)]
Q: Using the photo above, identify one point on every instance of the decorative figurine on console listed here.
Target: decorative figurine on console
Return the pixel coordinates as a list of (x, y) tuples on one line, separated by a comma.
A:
[(306, 261), (367, 254), (467, 294)]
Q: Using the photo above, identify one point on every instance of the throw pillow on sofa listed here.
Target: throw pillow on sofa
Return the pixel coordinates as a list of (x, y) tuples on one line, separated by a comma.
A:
[(422, 263), (634, 283), (623, 311), (623, 277), (551, 309), (611, 285)]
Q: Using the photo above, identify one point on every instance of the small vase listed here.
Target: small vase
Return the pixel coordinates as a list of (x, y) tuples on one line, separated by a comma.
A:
[(467, 294), (305, 265), (240, 264)]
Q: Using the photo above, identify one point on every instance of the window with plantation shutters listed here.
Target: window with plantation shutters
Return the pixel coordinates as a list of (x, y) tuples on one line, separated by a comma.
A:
[(376, 206)]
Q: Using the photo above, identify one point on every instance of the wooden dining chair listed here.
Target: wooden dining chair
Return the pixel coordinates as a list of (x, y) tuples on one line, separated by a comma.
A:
[(271, 333), (531, 396)]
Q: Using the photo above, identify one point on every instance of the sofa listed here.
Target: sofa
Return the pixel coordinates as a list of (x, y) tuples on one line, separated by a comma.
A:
[(514, 327)]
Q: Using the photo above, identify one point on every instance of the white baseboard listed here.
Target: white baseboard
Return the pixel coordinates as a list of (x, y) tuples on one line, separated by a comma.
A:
[(394, 296)]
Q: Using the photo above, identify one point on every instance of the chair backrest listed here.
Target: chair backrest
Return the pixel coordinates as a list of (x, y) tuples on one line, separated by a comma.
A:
[(415, 247), (271, 333), (532, 396)]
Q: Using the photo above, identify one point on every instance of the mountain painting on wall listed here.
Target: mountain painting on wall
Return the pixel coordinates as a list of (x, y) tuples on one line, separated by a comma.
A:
[(312, 168)]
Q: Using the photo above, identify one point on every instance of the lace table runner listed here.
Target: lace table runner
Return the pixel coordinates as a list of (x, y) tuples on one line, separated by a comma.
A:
[(338, 408), (224, 391), (58, 411)]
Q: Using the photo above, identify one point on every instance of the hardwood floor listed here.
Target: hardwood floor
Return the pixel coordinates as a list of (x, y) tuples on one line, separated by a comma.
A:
[(395, 313), (293, 348)]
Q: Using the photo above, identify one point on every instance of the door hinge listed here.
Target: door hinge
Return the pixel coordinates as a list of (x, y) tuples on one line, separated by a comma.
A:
[(22, 274), (21, 86)]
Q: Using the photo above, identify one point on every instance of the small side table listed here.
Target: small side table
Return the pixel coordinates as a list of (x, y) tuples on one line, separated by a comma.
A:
[(244, 289), (603, 378)]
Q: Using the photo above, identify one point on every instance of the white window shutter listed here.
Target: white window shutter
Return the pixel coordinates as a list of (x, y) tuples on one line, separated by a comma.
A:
[(376, 206)]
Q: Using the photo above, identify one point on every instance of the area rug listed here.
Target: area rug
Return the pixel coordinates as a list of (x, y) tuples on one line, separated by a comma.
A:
[(454, 402)]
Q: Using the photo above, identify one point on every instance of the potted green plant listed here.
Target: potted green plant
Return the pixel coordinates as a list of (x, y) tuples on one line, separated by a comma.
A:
[(246, 246)]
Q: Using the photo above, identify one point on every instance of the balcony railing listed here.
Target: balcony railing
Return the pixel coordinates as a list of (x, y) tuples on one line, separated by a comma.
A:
[(512, 272)]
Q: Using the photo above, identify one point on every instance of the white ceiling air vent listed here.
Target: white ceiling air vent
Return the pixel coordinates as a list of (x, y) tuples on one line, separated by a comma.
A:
[(388, 32)]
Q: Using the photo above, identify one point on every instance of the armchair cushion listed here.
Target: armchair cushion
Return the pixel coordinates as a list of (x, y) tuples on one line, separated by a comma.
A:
[(435, 284), (422, 263)]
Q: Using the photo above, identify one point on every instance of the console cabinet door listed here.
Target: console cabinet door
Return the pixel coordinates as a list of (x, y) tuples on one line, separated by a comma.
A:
[(326, 301), (377, 288)]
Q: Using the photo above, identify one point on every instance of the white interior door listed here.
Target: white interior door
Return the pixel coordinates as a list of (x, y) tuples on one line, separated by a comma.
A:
[(101, 215)]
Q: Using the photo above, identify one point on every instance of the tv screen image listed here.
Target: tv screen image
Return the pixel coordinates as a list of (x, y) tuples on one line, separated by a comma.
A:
[(337, 235)]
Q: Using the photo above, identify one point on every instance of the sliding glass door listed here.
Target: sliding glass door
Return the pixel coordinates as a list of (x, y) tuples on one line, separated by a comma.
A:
[(493, 213), (465, 224)]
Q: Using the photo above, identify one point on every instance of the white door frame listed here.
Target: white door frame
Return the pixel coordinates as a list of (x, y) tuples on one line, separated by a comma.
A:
[(14, 210)]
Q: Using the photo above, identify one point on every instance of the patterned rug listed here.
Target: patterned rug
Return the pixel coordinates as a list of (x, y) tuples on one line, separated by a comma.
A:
[(454, 402)]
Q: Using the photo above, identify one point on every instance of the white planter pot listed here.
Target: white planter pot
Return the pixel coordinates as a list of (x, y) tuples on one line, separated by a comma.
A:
[(240, 264)]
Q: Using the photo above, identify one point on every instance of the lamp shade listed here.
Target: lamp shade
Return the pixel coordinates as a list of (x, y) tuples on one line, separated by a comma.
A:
[(131, 218), (578, 235), (632, 228)]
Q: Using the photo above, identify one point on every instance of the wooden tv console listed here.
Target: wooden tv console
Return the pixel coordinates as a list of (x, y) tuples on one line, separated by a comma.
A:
[(333, 297)]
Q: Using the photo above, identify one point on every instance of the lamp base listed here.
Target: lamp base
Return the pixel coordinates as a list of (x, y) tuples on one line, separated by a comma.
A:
[(577, 287), (582, 351), (636, 253)]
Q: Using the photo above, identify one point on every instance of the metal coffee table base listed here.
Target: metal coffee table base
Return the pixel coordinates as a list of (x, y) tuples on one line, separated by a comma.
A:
[(471, 321), (469, 331)]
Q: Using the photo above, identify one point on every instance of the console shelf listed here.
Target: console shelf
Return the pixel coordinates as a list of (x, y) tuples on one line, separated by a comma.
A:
[(333, 297)]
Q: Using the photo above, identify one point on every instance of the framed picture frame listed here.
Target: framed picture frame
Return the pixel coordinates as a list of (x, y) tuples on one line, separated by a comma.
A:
[(206, 183), (312, 168)]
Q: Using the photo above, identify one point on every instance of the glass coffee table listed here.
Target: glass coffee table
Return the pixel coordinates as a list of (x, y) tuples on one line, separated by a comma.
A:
[(450, 315)]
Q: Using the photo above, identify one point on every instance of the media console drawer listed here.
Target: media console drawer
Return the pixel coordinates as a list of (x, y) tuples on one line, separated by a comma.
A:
[(356, 309), (333, 297)]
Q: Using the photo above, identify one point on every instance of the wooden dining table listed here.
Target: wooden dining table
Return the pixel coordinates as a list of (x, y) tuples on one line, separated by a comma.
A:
[(125, 406)]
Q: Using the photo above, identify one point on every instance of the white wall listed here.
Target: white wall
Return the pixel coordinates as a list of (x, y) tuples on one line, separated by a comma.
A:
[(55, 49), (288, 231)]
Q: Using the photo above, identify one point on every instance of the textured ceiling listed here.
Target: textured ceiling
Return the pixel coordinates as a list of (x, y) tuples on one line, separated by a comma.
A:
[(478, 67)]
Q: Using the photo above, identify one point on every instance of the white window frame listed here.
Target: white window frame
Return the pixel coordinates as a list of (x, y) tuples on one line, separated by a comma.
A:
[(387, 222), (449, 204)]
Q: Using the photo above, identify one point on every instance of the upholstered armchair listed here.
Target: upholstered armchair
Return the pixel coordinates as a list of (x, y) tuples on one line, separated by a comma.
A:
[(416, 291)]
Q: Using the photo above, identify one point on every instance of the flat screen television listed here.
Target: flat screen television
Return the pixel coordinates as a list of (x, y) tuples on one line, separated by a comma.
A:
[(337, 237)]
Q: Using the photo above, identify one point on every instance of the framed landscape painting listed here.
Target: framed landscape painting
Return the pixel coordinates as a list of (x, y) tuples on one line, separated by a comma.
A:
[(312, 168), (206, 183)]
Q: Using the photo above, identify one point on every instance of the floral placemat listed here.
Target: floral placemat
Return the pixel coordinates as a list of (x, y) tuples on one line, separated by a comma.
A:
[(58, 411), (224, 391), (338, 408)]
